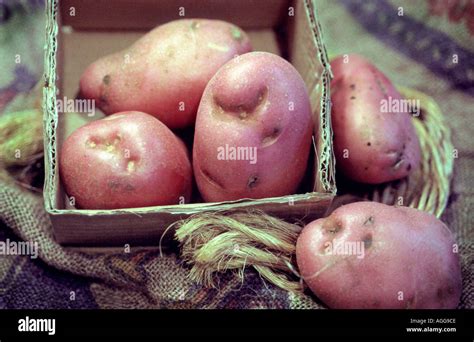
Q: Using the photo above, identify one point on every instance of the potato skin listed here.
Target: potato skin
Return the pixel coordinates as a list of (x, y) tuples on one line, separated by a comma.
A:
[(165, 72), (257, 100), (127, 160), (406, 250), (371, 146)]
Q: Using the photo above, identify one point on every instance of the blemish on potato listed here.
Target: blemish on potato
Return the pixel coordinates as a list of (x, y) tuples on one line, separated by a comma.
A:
[(113, 184), (131, 166), (195, 25), (262, 96), (397, 163), (352, 97), (106, 79), (367, 240), (117, 186), (334, 229), (272, 137), (368, 144), (252, 182), (243, 114), (109, 147), (129, 187), (246, 109), (352, 86), (170, 52), (324, 248), (370, 220), (379, 83), (91, 144), (392, 152)]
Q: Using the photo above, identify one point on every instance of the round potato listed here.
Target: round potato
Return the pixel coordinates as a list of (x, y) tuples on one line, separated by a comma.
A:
[(371, 255), (253, 130), (165, 72), (127, 160), (374, 138)]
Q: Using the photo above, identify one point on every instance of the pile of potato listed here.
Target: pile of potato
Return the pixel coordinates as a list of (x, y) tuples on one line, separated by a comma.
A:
[(251, 112), (252, 136)]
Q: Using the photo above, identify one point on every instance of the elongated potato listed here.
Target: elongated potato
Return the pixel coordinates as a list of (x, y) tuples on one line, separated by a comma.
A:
[(165, 72), (371, 255), (374, 137), (253, 130)]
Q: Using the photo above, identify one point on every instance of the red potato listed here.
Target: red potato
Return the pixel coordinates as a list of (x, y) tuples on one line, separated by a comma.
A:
[(253, 130), (371, 255), (374, 141), (126, 160), (165, 72)]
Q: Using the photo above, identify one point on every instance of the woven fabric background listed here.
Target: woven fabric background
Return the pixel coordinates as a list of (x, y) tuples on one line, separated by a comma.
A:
[(415, 49)]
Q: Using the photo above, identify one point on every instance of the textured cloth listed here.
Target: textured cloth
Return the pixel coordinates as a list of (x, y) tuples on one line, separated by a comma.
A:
[(413, 49), (122, 280)]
